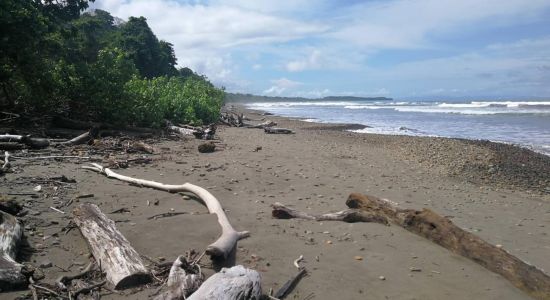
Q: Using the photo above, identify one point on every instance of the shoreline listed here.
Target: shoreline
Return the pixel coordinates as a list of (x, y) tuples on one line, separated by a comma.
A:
[(313, 170), (540, 148), (504, 165)]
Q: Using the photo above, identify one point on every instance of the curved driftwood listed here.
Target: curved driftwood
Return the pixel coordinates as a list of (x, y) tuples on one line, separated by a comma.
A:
[(118, 259), (223, 246), (443, 232), (235, 283), (11, 232), (179, 283), (281, 211)]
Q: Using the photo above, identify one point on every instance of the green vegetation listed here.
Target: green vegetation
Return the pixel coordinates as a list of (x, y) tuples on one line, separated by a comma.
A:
[(55, 60)]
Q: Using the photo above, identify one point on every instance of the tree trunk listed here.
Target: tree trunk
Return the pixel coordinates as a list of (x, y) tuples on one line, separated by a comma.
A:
[(236, 283), (112, 251), (11, 232), (223, 246), (443, 232)]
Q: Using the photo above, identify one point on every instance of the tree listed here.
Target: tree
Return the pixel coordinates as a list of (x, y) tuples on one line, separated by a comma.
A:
[(151, 57)]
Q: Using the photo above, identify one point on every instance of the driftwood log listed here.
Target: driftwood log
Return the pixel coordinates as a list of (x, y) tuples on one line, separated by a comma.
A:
[(235, 283), (112, 251), (181, 284), (225, 244), (443, 232), (31, 142), (276, 130), (83, 138), (281, 211), (11, 233), (261, 125)]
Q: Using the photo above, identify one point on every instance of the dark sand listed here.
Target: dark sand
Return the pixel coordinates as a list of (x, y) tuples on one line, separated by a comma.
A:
[(482, 187)]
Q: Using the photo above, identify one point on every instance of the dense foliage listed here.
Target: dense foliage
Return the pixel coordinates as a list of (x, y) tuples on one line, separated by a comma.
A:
[(55, 60)]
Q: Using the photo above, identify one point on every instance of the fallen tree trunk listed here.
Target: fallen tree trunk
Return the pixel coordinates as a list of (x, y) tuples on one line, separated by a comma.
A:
[(11, 233), (236, 283), (112, 251), (180, 283), (31, 142), (223, 246), (275, 130), (11, 146), (443, 232), (281, 211)]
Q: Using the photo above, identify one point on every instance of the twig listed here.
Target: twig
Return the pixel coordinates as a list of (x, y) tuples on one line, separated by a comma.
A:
[(88, 289), (51, 157), (289, 285), (296, 261), (57, 210), (65, 278), (33, 290), (6, 164), (166, 215)]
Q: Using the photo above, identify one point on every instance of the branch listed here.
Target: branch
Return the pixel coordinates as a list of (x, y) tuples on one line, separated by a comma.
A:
[(223, 246)]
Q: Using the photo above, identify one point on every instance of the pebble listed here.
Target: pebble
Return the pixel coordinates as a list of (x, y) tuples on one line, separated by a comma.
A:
[(46, 264), (358, 257), (381, 277)]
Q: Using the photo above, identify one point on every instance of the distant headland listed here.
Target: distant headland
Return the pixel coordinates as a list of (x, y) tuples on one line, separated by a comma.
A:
[(237, 97)]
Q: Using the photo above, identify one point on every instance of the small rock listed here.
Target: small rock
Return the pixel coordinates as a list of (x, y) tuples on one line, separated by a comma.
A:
[(415, 269), (358, 257), (381, 277), (329, 242), (207, 147), (46, 264), (37, 188)]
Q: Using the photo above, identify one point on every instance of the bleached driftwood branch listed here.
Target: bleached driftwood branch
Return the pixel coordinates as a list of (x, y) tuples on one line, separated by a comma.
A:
[(281, 211), (223, 246), (234, 283), (11, 232), (443, 232), (118, 259)]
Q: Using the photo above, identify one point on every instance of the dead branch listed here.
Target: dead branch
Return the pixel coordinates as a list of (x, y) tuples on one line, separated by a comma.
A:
[(11, 231), (281, 211), (83, 138), (181, 282), (290, 284), (63, 280), (6, 165), (223, 246), (443, 232), (166, 215), (112, 251), (234, 283), (274, 130)]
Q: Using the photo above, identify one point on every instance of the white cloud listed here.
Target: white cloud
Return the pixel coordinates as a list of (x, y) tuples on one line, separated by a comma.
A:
[(409, 24), (281, 85)]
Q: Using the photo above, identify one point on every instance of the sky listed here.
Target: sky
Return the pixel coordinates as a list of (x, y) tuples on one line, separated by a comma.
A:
[(498, 49)]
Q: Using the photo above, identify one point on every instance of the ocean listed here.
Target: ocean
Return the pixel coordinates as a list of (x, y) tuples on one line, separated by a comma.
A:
[(523, 123)]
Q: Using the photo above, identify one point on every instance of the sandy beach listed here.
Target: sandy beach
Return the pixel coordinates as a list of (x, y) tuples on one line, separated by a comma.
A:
[(499, 192)]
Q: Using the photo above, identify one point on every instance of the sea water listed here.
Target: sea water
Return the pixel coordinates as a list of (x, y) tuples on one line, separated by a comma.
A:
[(524, 123)]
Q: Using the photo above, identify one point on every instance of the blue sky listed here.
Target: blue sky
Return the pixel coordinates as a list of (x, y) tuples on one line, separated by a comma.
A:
[(395, 48)]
